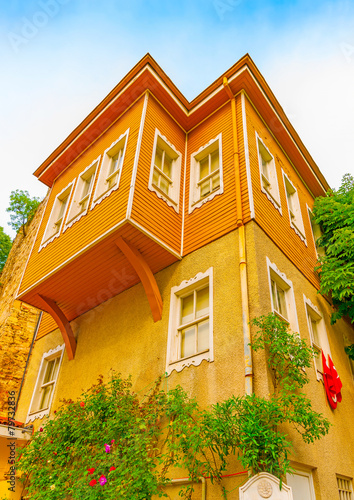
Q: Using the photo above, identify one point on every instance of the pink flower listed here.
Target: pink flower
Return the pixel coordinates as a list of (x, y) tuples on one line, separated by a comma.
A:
[(102, 480), (112, 441), (107, 448), (92, 482)]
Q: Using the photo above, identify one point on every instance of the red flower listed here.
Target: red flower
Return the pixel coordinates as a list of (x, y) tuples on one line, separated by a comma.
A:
[(112, 468), (82, 404), (91, 471), (55, 453), (112, 441), (41, 429), (92, 482)]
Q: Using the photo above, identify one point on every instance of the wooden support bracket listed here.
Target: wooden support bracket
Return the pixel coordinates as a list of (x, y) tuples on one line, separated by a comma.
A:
[(57, 314), (145, 274)]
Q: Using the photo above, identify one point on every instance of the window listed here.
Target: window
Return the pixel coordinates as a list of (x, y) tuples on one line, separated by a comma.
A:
[(82, 193), (57, 215), (111, 168), (301, 484), (45, 385), (282, 296), (294, 207), (165, 171), (316, 233), (269, 182), (191, 323), (318, 335), (206, 179), (345, 488)]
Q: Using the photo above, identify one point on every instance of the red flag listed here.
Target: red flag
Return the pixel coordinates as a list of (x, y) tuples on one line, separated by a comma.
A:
[(332, 382)]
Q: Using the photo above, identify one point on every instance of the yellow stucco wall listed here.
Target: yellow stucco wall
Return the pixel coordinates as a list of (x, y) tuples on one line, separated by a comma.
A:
[(120, 334), (333, 454)]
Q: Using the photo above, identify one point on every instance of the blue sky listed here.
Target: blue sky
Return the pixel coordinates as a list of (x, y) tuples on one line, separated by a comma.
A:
[(61, 57)]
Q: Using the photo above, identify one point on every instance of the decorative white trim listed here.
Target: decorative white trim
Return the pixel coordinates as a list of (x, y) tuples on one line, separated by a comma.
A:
[(46, 242), (172, 363), (247, 156), (136, 158), (275, 186), (194, 200), (31, 416), (78, 216), (299, 231), (184, 193), (287, 286), (99, 194), (263, 481), (176, 173)]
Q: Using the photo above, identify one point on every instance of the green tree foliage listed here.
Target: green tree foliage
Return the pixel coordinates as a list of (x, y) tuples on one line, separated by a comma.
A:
[(5, 247), (335, 214), (22, 209), (113, 443)]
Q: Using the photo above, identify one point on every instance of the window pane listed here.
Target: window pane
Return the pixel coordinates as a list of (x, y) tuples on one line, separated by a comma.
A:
[(187, 309), (214, 160), (203, 335), (202, 302), (167, 166), (274, 295), (281, 302), (216, 181), (205, 188), (63, 203), (164, 185), (265, 168), (316, 338), (112, 181), (155, 178), (188, 342), (158, 157), (46, 393), (204, 167), (51, 370)]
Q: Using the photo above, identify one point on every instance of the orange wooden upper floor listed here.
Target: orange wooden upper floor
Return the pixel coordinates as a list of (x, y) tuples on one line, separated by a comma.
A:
[(163, 173)]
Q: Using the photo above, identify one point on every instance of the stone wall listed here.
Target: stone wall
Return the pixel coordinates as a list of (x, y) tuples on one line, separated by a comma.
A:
[(17, 319)]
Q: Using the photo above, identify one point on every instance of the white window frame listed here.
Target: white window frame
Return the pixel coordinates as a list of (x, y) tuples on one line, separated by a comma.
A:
[(56, 353), (315, 228), (195, 200), (345, 490), (269, 185), (285, 285), (101, 190), (75, 210), (51, 232), (322, 344), (307, 474), (295, 215), (172, 198), (177, 293)]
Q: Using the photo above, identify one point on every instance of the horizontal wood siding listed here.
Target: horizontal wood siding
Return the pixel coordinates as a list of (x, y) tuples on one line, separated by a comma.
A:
[(152, 212), (217, 216), (102, 217), (277, 226), (47, 325)]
